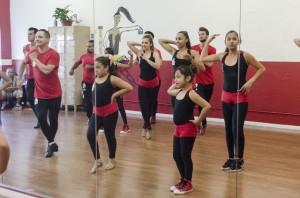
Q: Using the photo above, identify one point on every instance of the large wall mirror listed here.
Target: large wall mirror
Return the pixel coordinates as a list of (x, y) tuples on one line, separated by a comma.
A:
[(241, 158)]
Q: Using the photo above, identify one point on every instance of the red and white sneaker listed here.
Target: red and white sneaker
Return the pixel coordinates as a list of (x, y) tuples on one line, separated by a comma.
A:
[(125, 129), (177, 186), (184, 188), (202, 130), (101, 130)]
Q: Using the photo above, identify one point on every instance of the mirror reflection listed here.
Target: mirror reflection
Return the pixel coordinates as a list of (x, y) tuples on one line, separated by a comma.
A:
[(157, 66)]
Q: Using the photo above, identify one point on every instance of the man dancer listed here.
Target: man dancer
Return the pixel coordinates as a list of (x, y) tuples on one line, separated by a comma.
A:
[(204, 81)]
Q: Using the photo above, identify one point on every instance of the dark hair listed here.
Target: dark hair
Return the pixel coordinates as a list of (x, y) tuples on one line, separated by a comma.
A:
[(104, 61), (91, 41), (125, 12), (187, 71), (203, 29), (229, 32), (186, 35), (33, 29), (149, 32), (151, 41), (110, 50), (46, 32)]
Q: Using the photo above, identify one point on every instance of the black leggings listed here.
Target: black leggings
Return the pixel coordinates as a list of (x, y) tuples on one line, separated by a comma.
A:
[(30, 94), (42, 107), (121, 109), (146, 99), (87, 98), (109, 123), (205, 91), (155, 104), (234, 125), (182, 154)]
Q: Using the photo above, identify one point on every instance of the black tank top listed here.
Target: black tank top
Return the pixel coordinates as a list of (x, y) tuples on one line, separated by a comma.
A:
[(104, 92), (147, 72), (231, 74), (176, 62), (113, 70), (183, 110)]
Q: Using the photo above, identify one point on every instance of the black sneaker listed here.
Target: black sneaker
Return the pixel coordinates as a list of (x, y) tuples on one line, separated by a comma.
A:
[(48, 152), (37, 125), (227, 165), (237, 165)]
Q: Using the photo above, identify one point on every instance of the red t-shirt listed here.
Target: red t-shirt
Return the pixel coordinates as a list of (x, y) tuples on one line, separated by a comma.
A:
[(27, 49), (206, 77), (46, 86), (88, 75)]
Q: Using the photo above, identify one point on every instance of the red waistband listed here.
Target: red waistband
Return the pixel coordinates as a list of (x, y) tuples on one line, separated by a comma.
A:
[(186, 130), (105, 110), (234, 97), (148, 83)]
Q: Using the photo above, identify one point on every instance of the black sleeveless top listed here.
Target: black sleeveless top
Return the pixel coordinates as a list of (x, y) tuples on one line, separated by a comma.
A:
[(147, 72), (113, 70), (231, 74), (183, 110), (176, 62), (104, 92)]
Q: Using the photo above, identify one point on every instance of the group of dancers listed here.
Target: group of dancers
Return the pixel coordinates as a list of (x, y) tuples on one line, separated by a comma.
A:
[(192, 85)]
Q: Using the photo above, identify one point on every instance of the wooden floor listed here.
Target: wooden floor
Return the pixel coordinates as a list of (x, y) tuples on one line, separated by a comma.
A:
[(146, 168)]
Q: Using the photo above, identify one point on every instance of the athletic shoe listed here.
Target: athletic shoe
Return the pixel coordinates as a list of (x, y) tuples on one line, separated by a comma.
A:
[(125, 129), (48, 152), (177, 186), (153, 119), (101, 130), (185, 188), (17, 108), (202, 130), (237, 165), (227, 165)]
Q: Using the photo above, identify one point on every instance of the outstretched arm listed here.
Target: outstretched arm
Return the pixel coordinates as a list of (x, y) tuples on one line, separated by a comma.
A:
[(204, 57), (129, 64)]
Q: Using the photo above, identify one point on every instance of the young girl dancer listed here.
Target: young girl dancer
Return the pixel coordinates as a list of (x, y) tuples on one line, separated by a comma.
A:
[(148, 82), (186, 126), (105, 110), (113, 70), (184, 55), (234, 94)]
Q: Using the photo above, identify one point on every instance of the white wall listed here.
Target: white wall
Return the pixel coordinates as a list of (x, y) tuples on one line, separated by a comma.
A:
[(268, 26)]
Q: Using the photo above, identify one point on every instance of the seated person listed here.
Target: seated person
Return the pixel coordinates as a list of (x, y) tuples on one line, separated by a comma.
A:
[(12, 91)]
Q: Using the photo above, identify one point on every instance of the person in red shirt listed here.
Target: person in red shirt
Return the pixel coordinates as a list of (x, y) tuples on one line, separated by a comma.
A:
[(47, 88), (88, 77), (29, 71), (204, 80)]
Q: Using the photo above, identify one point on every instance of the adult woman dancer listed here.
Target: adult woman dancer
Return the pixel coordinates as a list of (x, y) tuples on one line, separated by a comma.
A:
[(148, 81), (186, 131), (105, 111), (184, 55), (234, 94)]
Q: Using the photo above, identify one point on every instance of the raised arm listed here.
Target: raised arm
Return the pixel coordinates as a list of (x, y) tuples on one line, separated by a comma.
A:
[(260, 69), (195, 60), (132, 45), (157, 61), (167, 45), (204, 57), (173, 91), (129, 64)]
